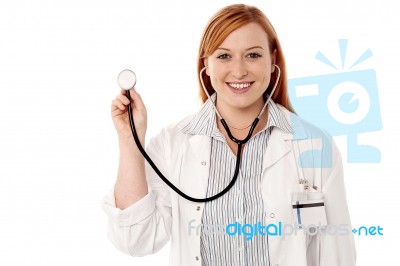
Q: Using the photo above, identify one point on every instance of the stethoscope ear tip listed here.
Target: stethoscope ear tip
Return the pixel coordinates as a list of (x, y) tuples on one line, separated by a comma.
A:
[(126, 79)]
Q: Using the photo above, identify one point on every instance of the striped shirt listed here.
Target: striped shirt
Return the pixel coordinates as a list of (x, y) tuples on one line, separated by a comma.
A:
[(243, 204)]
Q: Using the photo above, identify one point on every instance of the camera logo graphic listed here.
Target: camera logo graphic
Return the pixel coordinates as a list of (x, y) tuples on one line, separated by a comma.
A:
[(344, 103)]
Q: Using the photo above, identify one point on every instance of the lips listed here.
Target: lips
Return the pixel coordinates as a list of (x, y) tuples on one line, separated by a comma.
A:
[(239, 87)]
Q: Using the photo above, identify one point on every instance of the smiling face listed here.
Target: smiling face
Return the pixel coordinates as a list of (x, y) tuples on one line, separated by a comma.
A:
[(240, 69)]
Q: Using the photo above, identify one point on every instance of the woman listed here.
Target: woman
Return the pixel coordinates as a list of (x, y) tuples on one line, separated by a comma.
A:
[(240, 65)]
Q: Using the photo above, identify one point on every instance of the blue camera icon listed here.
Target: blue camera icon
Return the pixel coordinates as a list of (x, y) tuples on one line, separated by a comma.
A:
[(345, 103)]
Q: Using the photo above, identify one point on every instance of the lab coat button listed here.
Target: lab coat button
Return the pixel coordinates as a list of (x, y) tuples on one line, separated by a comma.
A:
[(203, 163), (197, 257), (272, 215), (198, 208)]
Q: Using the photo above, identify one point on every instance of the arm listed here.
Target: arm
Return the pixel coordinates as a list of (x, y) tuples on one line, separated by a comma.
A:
[(131, 184), (139, 207), (145, 226)]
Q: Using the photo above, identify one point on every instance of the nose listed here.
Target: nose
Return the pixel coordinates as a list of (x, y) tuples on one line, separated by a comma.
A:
[(239, 69)]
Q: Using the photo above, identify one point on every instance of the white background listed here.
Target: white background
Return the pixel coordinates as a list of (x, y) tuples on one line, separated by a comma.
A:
[(59, 61)]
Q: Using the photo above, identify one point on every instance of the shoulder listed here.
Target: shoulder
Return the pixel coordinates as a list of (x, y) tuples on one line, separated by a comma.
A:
[(177, 127), (171, 134)]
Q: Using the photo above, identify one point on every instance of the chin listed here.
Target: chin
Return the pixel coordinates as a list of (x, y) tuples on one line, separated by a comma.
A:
[(242, 104)]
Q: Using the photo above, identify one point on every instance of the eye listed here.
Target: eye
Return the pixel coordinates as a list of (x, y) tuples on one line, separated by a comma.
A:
[(224, 56), (253, 55)]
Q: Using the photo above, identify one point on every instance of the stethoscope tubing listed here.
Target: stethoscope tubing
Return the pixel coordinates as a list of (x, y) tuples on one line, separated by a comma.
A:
[(237, 141), (155, 168)]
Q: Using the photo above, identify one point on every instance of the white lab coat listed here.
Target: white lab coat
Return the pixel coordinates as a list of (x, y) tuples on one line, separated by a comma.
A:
[(162, 215)]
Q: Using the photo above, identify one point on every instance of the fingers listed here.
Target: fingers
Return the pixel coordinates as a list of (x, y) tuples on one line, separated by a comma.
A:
[(137, 99), (121, 100), (117, 104)]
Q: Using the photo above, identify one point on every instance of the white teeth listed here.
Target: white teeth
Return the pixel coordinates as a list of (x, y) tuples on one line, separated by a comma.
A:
[(239, 86)]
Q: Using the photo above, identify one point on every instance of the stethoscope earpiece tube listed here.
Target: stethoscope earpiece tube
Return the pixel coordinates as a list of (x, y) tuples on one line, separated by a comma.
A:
[(237, 141)]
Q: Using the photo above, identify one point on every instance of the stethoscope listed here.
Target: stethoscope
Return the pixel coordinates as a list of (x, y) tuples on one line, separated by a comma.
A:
[(127, 81)]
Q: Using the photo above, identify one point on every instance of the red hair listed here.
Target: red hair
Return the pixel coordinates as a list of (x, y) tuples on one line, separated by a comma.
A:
[(225, 21)]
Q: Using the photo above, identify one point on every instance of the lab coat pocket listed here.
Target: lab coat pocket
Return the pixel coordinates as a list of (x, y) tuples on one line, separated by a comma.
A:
[(309, 210)]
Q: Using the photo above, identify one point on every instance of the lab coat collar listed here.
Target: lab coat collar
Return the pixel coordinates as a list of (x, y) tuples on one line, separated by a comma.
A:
[(204, 121)]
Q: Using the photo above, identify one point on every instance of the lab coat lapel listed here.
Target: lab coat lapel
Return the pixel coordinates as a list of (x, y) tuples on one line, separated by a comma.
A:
[(279, 143), (195, 166), (278, 147)]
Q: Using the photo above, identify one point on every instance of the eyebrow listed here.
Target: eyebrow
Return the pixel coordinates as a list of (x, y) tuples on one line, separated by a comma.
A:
[(253, 47)]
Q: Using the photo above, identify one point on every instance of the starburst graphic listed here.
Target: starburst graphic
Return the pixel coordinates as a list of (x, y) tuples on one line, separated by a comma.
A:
[(343, 51)]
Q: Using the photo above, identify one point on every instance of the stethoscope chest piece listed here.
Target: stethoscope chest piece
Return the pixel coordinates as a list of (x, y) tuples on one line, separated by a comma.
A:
[(126, 79)]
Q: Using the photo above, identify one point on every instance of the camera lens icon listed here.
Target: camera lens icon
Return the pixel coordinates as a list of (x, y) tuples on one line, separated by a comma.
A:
[(348, 103)]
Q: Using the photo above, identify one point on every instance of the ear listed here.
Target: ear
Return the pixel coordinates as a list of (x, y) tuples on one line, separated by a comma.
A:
[(205, 61), (273, 60)]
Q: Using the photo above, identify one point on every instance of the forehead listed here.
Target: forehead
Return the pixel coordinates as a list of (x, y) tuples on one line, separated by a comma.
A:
[(246, 36)]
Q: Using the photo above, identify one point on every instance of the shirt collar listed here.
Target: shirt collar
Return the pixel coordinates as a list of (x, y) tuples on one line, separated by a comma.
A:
[(204, 123)]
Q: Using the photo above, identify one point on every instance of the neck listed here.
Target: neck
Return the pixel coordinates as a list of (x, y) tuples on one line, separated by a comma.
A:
[(240, 117)]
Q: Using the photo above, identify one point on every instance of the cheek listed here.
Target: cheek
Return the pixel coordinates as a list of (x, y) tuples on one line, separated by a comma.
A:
[(266, 76), (261, 68), (268, 70), (216, 74), (215, 82)]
